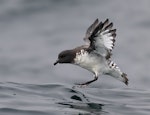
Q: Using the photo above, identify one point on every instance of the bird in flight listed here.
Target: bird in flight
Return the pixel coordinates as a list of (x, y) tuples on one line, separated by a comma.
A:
[(95, 56)]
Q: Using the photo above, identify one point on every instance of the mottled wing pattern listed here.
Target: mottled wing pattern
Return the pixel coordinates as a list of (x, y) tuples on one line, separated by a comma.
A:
[(101, 37)]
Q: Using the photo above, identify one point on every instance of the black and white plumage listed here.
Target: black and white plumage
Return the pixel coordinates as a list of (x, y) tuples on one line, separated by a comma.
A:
[(95, 56)]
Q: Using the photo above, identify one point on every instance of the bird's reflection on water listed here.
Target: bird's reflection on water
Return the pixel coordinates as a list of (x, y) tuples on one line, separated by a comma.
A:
[(81, 102)]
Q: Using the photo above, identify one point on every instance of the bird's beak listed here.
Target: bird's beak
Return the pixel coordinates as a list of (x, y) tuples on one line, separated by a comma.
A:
[(57, 61)]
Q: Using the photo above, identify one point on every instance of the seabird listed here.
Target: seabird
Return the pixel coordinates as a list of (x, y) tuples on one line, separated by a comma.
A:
[(95, 56)]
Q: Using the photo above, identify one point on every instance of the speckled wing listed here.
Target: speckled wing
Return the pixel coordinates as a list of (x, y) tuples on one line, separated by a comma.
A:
[(101, 37)]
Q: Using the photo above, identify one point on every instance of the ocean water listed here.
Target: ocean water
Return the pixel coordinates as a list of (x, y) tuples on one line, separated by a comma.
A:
[(32, 33)]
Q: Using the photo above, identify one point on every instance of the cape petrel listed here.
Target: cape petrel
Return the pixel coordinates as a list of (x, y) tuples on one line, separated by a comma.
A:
[(95, 56)]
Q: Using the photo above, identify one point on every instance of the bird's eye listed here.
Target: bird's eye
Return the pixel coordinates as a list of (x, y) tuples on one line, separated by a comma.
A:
[(62, 56)]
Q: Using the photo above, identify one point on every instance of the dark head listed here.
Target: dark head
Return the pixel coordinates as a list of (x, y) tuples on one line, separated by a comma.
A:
[(66, 56)]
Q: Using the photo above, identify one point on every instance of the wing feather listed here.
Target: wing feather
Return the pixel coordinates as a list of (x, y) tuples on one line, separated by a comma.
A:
[(91, 29), (101, 37)]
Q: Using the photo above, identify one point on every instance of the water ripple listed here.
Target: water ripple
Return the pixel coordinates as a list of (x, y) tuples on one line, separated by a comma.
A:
[(18, 98)]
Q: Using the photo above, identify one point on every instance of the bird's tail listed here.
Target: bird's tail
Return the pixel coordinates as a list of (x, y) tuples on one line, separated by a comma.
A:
[(116, 73)]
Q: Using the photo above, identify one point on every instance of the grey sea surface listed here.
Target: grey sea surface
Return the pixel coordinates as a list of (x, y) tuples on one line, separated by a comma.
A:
[(33, 32)]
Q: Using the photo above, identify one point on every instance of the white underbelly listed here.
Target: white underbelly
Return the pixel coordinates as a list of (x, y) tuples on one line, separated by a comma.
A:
[(93, 63)]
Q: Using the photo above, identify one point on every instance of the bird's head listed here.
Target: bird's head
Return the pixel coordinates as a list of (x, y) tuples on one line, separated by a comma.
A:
[(66, 56)]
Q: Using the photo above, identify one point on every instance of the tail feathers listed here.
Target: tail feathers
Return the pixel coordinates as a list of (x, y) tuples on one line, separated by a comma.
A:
[(116, 73), (124, 75), (119, 75)]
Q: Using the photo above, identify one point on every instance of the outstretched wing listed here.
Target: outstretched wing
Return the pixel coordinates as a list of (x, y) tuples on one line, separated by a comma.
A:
[(101, 37)]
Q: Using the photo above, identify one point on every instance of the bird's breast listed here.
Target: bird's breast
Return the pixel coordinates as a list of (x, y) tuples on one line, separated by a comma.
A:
[(89, 61)]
